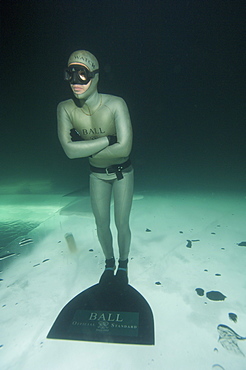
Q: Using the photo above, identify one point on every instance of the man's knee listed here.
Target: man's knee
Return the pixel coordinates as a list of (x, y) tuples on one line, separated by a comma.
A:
[(123, 227)]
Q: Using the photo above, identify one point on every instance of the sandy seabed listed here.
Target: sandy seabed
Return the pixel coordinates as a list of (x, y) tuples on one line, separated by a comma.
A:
[(181, 241)]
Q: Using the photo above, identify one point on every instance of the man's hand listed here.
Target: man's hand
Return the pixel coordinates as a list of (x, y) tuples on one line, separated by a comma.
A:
[(112, 139), (75, 136)]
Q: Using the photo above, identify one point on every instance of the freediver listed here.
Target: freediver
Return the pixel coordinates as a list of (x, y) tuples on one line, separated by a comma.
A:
[(98, 126)]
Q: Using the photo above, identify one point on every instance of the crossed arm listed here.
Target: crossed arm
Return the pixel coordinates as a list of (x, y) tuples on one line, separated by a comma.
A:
[(98, 148)]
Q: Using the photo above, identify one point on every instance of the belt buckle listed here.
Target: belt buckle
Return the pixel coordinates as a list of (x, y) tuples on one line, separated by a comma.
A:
[(118, 169), (107, 171)]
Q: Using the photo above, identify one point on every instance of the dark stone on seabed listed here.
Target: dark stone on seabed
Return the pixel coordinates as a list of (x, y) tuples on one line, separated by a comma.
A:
[(215, 296), (242, 244), (189, 244), (232, 316), (200, 291)]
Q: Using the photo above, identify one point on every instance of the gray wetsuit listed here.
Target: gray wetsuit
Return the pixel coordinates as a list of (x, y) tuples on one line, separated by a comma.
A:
[(95, 117)]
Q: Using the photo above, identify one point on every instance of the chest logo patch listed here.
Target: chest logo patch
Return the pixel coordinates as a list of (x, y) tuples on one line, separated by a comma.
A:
[(93, 131)]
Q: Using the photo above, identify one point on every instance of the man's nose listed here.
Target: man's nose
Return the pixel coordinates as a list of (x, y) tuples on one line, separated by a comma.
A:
[(74, 79)]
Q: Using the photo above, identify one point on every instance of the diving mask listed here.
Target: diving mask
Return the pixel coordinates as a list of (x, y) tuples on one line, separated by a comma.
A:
[(78, 74)]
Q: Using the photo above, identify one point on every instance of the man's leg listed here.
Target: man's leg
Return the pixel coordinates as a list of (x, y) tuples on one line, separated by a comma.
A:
[(123, 194), (100, 192)]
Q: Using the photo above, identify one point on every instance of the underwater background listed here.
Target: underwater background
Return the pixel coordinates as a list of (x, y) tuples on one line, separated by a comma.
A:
[(180, 66)]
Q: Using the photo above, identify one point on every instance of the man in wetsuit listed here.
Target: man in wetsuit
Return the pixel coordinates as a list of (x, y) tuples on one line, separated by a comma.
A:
[(98, 126)]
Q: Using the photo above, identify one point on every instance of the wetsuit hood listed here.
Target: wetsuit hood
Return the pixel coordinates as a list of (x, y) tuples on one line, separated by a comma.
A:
[(85, 58)]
